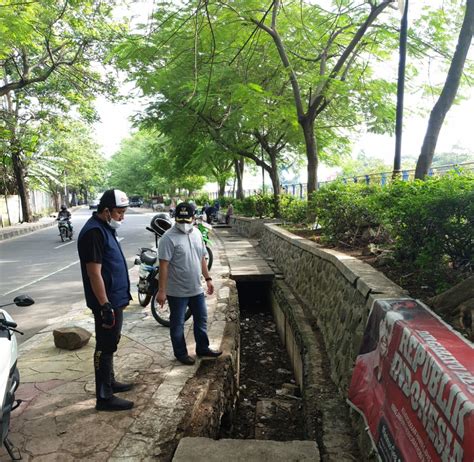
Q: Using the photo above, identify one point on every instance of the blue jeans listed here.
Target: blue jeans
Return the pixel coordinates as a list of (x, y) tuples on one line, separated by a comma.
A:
[(198, 307)]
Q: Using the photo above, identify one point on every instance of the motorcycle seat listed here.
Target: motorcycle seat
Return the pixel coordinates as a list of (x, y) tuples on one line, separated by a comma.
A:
[(148, 257)]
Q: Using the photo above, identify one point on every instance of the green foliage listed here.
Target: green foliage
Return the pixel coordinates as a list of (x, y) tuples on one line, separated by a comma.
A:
[(131, 168), (260, 205), (432, 221), (293, 209), (225, 201), (344, 211), (429, 224), (202, 198)]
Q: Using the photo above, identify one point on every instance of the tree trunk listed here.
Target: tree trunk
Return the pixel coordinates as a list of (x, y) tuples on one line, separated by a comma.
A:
[(448, 94), (275, 178), (20, 174), (221, 185), (311, 153), (449, 300), (73, 197), (239, 173)]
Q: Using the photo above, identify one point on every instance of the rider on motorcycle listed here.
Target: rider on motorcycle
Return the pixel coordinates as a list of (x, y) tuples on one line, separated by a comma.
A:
[(65, 214)]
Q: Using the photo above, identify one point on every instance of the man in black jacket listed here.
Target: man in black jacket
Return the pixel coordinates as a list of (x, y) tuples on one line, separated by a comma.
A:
[(107, 290)]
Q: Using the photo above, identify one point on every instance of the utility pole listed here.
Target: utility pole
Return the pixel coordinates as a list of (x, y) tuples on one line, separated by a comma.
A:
[(400, 88)]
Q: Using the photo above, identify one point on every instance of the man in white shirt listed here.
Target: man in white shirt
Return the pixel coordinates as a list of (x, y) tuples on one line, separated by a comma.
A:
[(182, 256)]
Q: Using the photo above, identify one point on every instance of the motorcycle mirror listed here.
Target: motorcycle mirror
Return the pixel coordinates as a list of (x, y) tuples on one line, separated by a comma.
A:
[(23, 300)]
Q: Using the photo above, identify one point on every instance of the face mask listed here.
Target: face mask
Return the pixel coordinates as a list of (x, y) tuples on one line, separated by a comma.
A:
[(185, 227), (114, 224)]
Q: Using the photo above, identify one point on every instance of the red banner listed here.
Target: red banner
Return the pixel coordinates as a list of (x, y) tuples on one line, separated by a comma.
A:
[(413, 382)]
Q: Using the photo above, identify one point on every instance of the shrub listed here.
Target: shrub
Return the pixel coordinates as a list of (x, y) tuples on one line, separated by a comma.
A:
[(432, 222), (260, 205), (293, 209), (345, 211), (202, 198)]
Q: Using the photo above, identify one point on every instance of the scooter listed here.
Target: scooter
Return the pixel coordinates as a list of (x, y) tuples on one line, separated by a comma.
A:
[(9, 374), (65, 229)]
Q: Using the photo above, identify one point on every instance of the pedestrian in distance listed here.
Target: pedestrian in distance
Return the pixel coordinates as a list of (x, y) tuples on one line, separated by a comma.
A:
[(229, 213), (107, 291), (182, 256)]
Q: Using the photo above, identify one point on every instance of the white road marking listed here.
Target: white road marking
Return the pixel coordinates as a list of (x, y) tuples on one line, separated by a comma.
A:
[(62, 245), (8, 261), (41, 278)]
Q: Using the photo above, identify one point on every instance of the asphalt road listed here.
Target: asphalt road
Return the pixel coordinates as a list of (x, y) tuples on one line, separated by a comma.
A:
[(40, 265)]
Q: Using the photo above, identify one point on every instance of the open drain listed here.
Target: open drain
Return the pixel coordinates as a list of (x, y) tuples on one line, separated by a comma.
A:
[(269, 405)]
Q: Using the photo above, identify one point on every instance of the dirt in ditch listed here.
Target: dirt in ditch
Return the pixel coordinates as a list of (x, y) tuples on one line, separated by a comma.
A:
[(269, 405)]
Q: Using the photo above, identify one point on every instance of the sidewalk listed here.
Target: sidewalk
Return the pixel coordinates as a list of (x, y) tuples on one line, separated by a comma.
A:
[(18, 229), (23, 228), (57, 420)]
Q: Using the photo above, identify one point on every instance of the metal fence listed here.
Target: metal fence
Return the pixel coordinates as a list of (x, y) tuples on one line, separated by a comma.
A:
[(301, 189)]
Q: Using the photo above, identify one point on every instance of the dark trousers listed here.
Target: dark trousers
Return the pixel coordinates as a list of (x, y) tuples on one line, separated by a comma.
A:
[(198, 307), (107, 341)]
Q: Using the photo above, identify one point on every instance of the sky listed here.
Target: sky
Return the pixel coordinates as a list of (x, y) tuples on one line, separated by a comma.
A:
[(456, 132)]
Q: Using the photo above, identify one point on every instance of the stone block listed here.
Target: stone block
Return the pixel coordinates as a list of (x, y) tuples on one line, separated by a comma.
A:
[(71, 338)]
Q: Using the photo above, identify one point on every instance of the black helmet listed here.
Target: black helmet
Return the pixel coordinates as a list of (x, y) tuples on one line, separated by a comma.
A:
[(63, 207), (160, 223)]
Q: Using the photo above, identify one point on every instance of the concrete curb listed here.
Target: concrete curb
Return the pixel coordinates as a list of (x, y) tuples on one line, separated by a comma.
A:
[(25, 228)]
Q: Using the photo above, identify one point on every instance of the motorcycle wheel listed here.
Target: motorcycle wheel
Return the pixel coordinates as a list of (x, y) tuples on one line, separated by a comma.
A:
[(70, 235), (62, 233), (210, 257), (162, 313), (143, 299)]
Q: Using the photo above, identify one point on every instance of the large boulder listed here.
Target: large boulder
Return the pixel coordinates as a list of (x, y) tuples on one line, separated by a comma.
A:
[(71, 338)]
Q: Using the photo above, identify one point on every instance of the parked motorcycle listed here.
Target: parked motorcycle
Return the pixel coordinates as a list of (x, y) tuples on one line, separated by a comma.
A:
[(9, 374), (149, 268), (205, 229), (65, 229)]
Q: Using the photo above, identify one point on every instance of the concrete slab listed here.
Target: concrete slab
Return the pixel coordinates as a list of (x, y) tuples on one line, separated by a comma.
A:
[(208, 450), (245, 263)]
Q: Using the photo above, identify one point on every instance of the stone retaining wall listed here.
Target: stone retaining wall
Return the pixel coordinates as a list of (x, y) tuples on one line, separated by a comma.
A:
[(250, 227), (336, 289)]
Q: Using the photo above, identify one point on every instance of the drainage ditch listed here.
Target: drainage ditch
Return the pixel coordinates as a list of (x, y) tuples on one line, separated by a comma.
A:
[(269, 404)]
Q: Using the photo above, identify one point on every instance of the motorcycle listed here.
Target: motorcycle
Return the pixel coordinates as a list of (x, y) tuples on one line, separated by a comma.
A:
[(65, 229), (204, 228), (9, 374), (148, 277)]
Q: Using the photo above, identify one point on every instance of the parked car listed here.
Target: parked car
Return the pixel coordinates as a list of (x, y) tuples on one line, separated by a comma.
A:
[(135, 201), (93, 204)]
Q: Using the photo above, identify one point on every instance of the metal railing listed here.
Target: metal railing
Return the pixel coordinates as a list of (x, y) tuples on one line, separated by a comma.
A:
[(301, 189)]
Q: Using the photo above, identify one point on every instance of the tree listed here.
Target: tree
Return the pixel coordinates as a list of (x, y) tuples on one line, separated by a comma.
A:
[(448, 93), (48, 48), (340, 47), (214, 112), (75, 160), (131, 168)]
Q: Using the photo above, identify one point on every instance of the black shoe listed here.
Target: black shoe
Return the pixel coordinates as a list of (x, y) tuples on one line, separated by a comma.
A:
[(118, 387), (113, 404), (210, 354), (187, 360)]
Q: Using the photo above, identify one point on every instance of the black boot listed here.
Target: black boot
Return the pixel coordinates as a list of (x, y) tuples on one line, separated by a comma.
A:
[(118, 387), (103, 373), (106, 401), (113, 404)]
